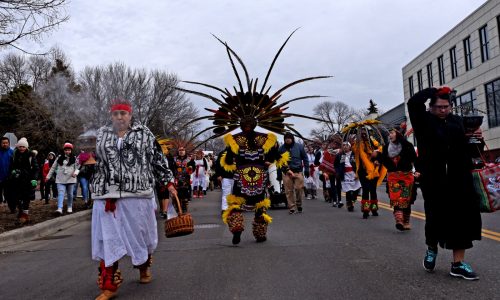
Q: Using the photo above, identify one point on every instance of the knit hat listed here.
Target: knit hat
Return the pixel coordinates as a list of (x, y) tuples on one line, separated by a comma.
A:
[(22, 142), (68, 145), (53, 154)]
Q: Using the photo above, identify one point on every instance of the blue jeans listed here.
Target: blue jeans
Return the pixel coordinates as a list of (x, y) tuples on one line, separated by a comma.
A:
[(84, 183), (65, 188)]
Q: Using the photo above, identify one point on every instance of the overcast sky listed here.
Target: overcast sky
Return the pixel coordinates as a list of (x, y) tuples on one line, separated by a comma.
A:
[(362, 43)]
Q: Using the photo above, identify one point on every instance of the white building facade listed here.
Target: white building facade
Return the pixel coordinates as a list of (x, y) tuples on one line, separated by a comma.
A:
[(467, 59)]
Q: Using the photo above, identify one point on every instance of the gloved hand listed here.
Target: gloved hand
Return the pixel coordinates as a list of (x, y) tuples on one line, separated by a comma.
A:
[(34, 183), (306, 174)]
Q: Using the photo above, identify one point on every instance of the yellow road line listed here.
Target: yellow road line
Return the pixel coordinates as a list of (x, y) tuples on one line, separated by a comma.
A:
[(420, 215)]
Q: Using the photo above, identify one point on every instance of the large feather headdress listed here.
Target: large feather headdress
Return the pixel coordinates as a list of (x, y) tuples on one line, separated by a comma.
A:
[(250, 102)]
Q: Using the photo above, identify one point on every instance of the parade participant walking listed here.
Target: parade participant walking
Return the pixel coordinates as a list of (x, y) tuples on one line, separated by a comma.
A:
[(23, 179), (331, 184), (5, 160), (87, 166), (184, 168), (226, 178), (66, 169), (311, 182), (249, 152), (200, 175), (452, 212), (370, 173), (129, 162), (399, 157), (293, 178), (345, 167), (47, 185)]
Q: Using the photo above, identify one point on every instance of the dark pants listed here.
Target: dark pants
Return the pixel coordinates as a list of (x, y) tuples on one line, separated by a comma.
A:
[(350, 197), (369, 188), (3, 192), (45, 190), (335, 189)]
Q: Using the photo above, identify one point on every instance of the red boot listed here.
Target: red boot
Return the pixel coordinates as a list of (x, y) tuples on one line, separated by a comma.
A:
[(109, 280)]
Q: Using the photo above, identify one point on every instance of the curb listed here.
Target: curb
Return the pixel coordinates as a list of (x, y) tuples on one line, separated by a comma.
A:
[(29, 233)]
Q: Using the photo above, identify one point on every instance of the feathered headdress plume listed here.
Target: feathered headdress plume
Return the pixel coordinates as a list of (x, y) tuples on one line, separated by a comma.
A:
[(248, 102)]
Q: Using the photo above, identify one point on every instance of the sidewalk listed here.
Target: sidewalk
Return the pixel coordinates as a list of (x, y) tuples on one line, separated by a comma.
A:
[(28, 233)]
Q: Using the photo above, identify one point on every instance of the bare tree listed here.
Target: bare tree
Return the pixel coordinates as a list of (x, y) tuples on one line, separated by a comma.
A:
[(335, 116), (156, 103), (17, 69), (29, 19)]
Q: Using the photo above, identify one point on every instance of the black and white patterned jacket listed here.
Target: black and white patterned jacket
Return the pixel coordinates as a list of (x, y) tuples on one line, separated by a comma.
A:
[(130, 167)]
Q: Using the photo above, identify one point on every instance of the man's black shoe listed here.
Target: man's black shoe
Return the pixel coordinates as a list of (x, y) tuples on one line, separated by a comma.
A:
[(365, 215), (299, 209)]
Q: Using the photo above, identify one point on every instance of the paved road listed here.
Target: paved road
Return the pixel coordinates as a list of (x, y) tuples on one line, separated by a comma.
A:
[(323, 253)]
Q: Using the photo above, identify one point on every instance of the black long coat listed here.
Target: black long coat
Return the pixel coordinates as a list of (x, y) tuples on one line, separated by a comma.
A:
[(446, 180), (26, 169)]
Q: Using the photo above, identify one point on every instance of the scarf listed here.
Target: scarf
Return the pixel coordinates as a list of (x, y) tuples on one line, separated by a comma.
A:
[(394, 149)]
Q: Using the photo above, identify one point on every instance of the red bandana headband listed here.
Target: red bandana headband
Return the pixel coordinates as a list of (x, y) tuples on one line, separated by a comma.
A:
[(125, 107)]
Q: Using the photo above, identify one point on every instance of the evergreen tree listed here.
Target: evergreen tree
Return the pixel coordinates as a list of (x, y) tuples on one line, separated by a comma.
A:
[(372, 109)]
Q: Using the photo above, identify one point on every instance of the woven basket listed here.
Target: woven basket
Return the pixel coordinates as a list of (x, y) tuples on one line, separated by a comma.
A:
[(180, 225)]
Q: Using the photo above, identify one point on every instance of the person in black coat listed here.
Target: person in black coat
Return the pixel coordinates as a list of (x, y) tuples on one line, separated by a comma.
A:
[(452, 212), (399, 156), (23, 179)]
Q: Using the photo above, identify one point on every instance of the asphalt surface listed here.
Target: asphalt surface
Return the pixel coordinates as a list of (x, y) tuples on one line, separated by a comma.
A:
[(323, 253)]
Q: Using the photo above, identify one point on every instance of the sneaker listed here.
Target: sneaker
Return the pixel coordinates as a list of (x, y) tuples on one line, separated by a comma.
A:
[(299, 209), (59, 211), (461, 269), (430, 260), (69, 210), (340, 205)]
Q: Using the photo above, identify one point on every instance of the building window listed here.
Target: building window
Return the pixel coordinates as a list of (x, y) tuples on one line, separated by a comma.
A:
[(430, 78), (483, 39), (493, 103), (419, 80), (441, 70), (467, 54), (410, 86), (466, 103), (453, 62)]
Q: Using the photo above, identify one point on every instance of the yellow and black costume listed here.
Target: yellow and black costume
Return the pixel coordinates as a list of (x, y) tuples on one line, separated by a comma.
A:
[(249, 153)]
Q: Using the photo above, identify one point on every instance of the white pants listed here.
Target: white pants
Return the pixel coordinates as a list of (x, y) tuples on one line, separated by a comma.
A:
[(199, 180), (130, 230), (227, 188)]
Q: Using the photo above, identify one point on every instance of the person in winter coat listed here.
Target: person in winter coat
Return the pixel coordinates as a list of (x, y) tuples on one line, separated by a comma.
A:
[(453, 219), (23, 179), (129, 162), (5, 160), (399, 157), (47, 185), (66, 169), (87, 163), (294, 172)]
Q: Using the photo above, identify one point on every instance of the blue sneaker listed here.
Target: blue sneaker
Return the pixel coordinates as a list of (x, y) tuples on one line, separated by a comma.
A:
[(463, 270), (430, 260)]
